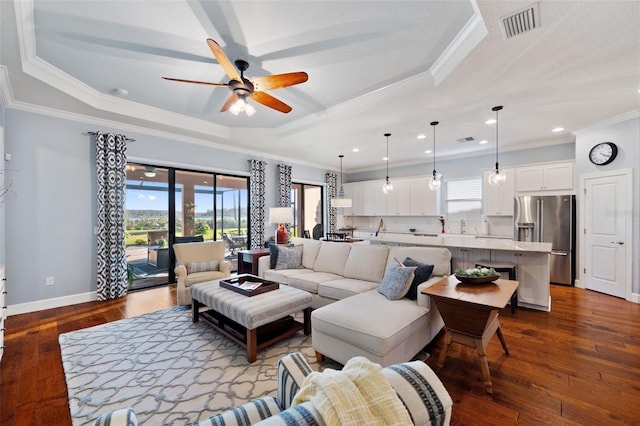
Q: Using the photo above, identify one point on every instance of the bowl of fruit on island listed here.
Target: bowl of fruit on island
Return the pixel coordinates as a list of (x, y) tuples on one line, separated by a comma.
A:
[(476, 275)]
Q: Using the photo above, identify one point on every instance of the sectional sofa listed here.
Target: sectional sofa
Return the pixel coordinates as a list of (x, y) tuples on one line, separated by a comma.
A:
[(350, 317)]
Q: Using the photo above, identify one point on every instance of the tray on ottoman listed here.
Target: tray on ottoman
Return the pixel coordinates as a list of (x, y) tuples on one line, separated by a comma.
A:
[(235, 284)]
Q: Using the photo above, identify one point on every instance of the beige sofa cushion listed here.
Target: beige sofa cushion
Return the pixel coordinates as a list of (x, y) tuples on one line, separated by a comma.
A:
[(309, 252), (332, 257), (282, 276), (310, 282), (366, 262), (339, 289)]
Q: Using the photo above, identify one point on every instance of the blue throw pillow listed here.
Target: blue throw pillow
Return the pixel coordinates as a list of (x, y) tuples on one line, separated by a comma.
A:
[(273, 253), (396, 282), (421, 274)]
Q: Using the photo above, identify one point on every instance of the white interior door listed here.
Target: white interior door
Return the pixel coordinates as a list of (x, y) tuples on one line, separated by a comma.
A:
[(606, 233)]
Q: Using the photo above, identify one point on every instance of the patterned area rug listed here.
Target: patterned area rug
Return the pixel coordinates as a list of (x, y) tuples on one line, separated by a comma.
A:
[(171, 371)]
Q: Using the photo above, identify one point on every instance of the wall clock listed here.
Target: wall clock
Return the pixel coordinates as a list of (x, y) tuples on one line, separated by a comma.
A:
[(603, 153)]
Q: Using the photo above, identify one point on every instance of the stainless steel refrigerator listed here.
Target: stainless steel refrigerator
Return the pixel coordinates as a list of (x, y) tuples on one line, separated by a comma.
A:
[(549, 219)]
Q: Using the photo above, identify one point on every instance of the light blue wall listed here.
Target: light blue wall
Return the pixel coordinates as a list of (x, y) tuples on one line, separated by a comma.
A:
[(50, 221), (2, 179), (471, 166)]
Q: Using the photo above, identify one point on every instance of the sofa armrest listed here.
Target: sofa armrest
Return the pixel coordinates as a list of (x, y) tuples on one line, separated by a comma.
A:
[(421, 392), (264, 263), (181, 272), (292, 370), (121, 417), (423, 299), (225, 267), (301, 415)]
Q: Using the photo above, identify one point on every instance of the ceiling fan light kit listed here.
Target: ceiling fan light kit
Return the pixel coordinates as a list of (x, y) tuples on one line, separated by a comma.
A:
[(387, 187), (497, 177), (243, 88), (436, 179)]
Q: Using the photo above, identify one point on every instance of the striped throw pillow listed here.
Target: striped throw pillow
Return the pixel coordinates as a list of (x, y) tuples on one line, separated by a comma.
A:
[(209, 265)]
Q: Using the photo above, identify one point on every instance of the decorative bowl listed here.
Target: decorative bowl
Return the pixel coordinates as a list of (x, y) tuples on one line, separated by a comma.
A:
[(477, 280)]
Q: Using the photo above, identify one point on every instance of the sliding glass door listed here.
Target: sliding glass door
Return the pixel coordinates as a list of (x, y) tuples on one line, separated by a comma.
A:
[(165, 206), (307, 203)]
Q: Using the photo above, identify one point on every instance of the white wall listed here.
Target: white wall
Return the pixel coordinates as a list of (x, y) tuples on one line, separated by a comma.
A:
[(625, 133), (3, 166), (50, 221)]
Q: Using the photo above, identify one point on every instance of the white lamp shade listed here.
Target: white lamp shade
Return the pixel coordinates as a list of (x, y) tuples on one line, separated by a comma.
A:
[(280, 214), (341, 202)]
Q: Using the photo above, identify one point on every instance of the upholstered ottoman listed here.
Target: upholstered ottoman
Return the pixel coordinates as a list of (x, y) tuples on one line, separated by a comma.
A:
[(254, 322), (370, 325)]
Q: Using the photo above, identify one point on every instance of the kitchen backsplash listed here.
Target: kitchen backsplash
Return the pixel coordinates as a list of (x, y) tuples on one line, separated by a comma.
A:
[(497, 225)]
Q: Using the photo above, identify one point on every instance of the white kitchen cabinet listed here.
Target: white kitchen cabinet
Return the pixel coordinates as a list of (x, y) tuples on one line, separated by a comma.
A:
[(424, 202), (375, 201), (399, 200), (465, 258), (545, 177), (498, 200), (532, 272)]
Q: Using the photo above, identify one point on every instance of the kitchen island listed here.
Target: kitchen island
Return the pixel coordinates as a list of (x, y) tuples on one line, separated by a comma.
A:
[(532, 260)]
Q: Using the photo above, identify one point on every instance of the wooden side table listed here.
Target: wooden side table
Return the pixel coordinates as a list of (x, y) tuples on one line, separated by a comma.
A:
[(248, 260), (470, 315)]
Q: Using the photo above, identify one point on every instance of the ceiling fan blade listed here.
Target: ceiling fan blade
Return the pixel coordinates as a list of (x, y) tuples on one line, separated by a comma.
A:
[(223, 60), (268, 100), (197, 82), (229, 102), (278, 81)]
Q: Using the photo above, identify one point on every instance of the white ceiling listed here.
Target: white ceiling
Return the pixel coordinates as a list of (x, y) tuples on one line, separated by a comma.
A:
[(374, 67)]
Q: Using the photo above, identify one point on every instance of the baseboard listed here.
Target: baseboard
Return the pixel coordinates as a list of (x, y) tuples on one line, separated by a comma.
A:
[(23, 308), (635, 297)]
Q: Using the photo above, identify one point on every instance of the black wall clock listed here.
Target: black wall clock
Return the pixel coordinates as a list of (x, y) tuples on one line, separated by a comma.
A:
[(603, 153)]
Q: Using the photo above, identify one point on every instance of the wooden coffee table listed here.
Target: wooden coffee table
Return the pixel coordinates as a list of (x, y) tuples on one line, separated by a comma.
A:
[(253, 322), (470, 315)]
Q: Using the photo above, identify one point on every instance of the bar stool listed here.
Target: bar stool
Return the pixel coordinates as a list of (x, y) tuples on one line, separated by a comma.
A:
[(509, 268)]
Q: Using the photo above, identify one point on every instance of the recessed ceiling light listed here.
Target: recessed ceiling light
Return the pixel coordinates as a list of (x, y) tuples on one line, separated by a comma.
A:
[(558, 129), (482, 142), (490, 121), (428, 151), (355, 150), (421, 136)]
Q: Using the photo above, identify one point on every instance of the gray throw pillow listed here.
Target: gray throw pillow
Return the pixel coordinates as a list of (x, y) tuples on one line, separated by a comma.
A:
[(209, 265), (421, 274), (289, 257), (396, 282)]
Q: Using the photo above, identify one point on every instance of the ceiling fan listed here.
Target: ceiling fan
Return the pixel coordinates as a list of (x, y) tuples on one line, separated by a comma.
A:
[(243, 88)]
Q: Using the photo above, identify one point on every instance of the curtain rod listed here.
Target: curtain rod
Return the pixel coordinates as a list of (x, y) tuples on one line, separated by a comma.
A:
[(95, 133)]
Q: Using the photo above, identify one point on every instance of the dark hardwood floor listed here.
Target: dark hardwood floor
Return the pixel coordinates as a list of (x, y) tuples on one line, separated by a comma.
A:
[(576, 365)]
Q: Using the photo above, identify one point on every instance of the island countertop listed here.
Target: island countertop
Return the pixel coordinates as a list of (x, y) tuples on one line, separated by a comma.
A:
[(460, 242)]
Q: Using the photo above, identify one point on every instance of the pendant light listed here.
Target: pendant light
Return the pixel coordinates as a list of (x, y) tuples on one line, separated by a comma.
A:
[(387, 187), (340, 200), (497, 177), (436, 181)]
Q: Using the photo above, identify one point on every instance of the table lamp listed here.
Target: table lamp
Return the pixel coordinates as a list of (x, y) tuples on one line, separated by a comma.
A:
[(281, 215)]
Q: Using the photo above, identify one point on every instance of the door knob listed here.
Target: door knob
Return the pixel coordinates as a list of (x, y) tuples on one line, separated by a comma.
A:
[(620, 243)]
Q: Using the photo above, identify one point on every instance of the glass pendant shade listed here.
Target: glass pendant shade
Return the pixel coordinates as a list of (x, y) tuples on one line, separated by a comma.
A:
[(387, 187), (436, 179), (340, 200), (497, 177)]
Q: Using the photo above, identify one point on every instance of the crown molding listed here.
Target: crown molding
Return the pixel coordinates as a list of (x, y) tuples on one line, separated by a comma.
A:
[(617, 119)]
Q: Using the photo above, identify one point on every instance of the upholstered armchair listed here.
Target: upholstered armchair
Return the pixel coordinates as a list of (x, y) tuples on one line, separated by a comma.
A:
[(198, 262)]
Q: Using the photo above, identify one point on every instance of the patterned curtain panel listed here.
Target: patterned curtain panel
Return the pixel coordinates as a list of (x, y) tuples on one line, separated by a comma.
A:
[(284, 189), (256, 197), (111, 160), (332, 189)]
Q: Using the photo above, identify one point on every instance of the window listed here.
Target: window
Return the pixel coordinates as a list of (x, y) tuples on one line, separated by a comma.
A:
[(307, 204), (464, 199)]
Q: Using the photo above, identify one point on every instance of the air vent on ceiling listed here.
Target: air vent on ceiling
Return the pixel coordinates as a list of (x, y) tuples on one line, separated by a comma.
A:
[(521, 21), (467, 139)]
